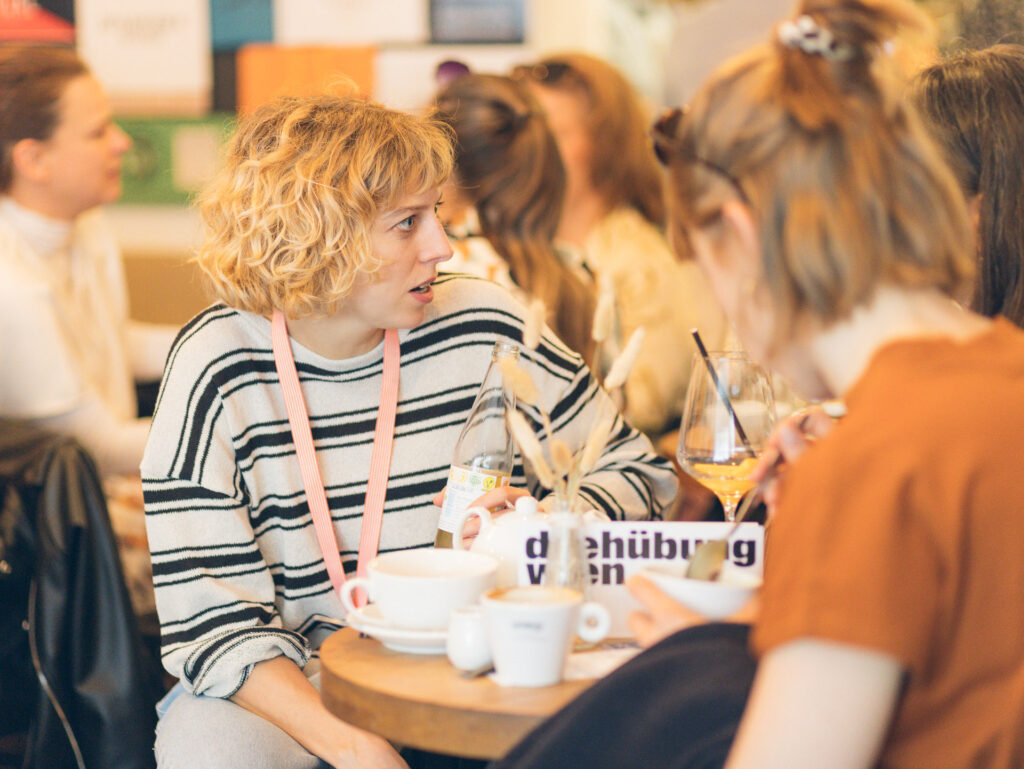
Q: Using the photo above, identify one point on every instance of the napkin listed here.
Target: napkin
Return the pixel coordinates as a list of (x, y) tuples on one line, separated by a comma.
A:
[(597, 663)]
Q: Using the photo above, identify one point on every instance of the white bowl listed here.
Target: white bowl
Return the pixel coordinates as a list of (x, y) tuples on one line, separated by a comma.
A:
[(715, 600)]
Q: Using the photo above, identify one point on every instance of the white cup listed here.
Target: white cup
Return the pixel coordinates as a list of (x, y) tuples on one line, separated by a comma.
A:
[(466, 642), (530, 630), (418, 589)]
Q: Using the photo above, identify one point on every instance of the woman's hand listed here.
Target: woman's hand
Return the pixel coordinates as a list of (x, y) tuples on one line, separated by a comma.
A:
[(278, 691), (790, 439), (367, 750), (497, 501), (664, 615)]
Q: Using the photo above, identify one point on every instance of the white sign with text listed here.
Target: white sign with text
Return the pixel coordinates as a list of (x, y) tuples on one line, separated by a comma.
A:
[(617, 550)]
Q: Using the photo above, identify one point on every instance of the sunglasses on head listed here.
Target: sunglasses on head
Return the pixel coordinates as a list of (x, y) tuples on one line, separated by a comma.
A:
[(668, 148), (548, 73)]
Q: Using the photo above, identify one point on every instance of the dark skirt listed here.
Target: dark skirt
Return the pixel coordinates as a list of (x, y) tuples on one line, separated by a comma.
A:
[(676, 705)]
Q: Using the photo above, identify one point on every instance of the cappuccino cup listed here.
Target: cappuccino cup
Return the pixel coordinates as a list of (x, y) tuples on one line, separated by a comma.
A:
[(530, 630), (418, 589)]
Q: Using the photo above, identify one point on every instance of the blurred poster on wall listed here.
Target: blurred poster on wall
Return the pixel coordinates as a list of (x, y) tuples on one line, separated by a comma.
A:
[(42, 21), (171, 157), (350, 22), (406, 77), (477, 21), (233, 23), (152, 56), (267, 71)]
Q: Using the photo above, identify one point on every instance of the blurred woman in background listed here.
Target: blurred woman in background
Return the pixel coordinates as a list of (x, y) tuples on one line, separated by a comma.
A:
[(974, 103), (613, 217), (70, 352), (505, 197), (70, 355)]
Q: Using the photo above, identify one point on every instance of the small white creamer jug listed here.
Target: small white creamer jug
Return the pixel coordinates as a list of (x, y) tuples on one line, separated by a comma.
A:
[(502, 537)]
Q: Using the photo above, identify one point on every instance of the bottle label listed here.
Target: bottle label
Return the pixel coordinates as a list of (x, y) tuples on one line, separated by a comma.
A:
[(464, 487)]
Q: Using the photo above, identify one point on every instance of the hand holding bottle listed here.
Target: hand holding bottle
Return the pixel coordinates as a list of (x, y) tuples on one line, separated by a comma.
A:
[(498, 501), (484, 453)]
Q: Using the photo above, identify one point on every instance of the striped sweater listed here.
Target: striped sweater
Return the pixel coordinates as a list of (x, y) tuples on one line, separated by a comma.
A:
[(238, 573)]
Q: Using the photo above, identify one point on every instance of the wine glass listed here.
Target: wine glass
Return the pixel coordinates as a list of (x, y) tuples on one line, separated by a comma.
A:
[(726, 423)]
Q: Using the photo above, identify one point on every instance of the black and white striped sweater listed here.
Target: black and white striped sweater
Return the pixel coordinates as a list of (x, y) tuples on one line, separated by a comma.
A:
[(236, 564)]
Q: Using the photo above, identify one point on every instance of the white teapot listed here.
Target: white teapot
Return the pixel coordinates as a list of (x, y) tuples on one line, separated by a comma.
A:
[(502, 537)]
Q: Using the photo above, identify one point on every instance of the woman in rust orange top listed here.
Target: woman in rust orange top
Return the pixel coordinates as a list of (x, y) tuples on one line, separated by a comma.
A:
[(891, 625)]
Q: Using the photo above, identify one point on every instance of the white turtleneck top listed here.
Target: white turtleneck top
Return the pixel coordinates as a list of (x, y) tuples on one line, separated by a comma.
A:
[(68, 352)]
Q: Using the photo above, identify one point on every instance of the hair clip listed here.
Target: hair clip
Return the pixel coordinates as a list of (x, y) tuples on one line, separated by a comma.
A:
[(813, 39), (449, 71)]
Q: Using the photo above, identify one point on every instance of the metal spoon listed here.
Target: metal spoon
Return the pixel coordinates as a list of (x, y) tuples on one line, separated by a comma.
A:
[(478, 672), (707, 559)]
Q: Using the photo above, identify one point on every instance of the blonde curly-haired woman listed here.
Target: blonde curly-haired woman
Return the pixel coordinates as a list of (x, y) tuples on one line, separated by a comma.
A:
[(322, 234)]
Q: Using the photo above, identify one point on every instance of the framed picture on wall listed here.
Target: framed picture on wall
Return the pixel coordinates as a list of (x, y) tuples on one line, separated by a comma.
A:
[(477, 21)]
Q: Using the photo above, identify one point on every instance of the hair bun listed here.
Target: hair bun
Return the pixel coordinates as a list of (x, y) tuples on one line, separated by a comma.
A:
[(512, 120), (520, 119)]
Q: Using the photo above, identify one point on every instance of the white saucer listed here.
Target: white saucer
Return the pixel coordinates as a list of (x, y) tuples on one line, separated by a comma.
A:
[(369, 621)]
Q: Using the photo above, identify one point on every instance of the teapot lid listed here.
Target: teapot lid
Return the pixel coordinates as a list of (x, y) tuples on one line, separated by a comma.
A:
[(526, 506)]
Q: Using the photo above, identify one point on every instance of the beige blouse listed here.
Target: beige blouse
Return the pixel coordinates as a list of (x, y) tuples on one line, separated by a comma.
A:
[(667, 297)]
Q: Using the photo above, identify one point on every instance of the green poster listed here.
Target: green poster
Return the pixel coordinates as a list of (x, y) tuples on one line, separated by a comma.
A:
[(171, 158)]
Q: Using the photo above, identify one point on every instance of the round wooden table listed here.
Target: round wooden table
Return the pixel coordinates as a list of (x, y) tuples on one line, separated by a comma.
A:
[(421, 701)]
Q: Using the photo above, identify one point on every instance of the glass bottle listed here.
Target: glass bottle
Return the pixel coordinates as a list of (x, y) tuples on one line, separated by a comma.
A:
[(566, 562), (484, 452)]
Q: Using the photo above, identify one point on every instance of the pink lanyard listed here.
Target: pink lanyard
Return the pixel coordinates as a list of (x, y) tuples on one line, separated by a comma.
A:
[(380, 461)]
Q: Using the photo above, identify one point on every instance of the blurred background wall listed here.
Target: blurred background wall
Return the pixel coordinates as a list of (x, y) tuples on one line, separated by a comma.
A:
[(179, 72)]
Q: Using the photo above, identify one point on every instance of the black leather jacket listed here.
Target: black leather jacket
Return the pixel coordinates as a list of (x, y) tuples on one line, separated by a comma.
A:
[(73, 669)]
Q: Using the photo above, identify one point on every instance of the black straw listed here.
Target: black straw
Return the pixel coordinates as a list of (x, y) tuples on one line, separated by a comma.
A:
[(722, 391)]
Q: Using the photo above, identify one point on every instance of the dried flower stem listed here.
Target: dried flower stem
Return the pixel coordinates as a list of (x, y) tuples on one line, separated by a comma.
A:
[(604, 315), (622, 365), (564, 474), (519, 381), (531, 448), (534, 324)]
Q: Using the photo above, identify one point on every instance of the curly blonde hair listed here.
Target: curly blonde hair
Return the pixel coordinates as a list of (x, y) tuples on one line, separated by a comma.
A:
[(288, 216)]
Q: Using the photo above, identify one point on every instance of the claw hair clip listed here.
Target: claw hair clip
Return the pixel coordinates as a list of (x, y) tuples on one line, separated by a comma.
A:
[(813, 39)]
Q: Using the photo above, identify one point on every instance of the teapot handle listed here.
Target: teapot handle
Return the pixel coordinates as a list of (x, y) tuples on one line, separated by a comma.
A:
[(485, 523)]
